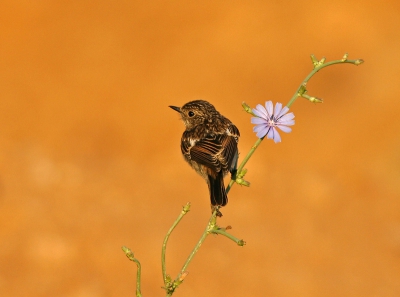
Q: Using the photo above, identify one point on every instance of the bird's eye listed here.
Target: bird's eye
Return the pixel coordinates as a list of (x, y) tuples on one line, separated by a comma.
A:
[(190, 113)]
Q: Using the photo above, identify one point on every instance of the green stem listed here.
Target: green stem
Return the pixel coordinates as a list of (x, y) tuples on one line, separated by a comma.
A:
[(206, 232), (138, 276), (164, 246), (238, 241), (314, 71), (128, 252), (179, 279)]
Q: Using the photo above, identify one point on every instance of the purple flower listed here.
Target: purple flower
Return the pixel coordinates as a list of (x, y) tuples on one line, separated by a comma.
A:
[(268, 120)]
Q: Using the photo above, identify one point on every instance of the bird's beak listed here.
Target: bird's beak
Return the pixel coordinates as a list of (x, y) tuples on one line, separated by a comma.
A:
[(176, 108)]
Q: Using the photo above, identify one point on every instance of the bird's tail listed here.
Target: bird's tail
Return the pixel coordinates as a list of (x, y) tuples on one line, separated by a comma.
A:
[(217, 190)]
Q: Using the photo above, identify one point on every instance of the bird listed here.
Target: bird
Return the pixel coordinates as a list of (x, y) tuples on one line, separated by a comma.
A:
[(210, 145)]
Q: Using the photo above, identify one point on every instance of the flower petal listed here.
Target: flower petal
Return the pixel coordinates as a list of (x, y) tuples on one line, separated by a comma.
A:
[(284, 128), (258, 121), (261, 133), (276, 136), (278, 108), (282, 112), (269, 108), (270, 134), (259, 127), (287, 117), (288, 123), (262, 110)]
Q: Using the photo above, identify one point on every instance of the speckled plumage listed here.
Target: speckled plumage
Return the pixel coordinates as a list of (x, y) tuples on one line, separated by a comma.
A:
[(209, 145)]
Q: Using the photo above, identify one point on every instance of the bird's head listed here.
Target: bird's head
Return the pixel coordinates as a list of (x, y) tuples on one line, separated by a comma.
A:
[(195, 113)]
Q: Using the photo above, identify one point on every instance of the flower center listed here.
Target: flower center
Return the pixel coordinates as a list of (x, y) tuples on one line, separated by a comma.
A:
[(272, 121)]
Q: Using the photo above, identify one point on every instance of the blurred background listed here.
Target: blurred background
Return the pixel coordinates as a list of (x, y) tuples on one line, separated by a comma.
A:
[(90, 152)]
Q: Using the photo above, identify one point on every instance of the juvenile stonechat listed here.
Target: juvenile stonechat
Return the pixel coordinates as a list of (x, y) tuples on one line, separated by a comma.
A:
[(210, 146)]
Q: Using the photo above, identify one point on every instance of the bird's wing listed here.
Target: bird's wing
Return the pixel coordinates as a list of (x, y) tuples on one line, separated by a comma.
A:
[(233, 131), (214, 151)]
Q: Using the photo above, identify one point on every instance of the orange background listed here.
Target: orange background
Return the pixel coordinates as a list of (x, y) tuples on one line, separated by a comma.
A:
[(90, 157)]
